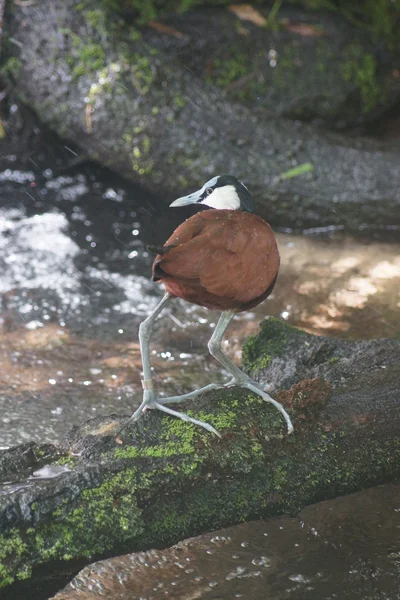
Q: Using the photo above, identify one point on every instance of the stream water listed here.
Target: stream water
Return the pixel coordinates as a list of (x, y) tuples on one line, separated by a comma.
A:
[(74, 285)]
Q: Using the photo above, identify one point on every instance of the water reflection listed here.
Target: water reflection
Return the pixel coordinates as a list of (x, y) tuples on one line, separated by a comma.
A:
[(75, 285)]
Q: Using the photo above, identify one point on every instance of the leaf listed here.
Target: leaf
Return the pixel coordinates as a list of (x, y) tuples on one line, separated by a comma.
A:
[(88, 117), (304, 29), (2, 130), (246, 12), (162, 28), (299, 170)]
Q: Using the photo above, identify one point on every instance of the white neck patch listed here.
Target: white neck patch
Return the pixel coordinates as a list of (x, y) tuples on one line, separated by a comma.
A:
[(223, 198)]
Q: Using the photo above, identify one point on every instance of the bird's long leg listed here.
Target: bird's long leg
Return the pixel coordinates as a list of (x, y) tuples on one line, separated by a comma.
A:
[(149, 400), (145, 331), (239, 378)]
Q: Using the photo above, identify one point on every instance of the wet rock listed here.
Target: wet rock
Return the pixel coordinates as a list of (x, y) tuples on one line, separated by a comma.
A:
[(335, 548), (313, 66), (129, 106), (281, 356), (162, 480)]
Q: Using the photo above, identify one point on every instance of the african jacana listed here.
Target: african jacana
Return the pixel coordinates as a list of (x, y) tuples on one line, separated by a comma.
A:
[(225, 258)]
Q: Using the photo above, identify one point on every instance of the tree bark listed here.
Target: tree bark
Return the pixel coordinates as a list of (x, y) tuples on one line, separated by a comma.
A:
[(126, 105), (92, 495)]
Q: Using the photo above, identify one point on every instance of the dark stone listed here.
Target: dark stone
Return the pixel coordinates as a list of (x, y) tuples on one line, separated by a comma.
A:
[(132, 108)]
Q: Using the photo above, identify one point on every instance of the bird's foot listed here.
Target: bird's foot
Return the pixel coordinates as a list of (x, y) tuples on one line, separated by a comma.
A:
[(150, 402), (257, 389)]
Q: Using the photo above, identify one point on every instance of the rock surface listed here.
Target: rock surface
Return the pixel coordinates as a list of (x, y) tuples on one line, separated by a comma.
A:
[(312, 66), (128, 106), (309, 555)]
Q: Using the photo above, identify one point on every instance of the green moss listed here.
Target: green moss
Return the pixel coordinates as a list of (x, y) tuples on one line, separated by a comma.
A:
[(83, 57), (141, 161), (142, 73), (91, 58), (134, 34), (105, 516), (11, 67), (11, 545), (361, 67), (95, 18), (70, 461), (259, 350), (333, 359), (236, 69), (284, 490), (127, 138), (226, 72), (179, 101)]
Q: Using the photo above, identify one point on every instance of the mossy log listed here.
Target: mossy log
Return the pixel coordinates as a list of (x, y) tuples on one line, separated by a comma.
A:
[(125, 103), (94, 495)]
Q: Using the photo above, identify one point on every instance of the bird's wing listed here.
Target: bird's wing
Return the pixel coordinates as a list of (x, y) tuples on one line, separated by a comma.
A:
[(241, 276), (189, 252), (222, 257)]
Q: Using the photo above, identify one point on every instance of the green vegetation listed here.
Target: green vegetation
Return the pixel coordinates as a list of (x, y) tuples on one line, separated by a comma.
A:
[(272, 22), (361, 67), (142, 74), (376, 17), (105, 516), (228, 71), (258, 350), (11, 67), (296, 171), (83, 57)]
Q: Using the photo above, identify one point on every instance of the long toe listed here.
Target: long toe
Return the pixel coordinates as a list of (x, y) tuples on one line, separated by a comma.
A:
[(254, 388), (185, 417), (189, 395)]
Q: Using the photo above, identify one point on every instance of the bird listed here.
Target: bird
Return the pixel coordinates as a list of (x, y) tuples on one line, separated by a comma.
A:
[(222, 258)]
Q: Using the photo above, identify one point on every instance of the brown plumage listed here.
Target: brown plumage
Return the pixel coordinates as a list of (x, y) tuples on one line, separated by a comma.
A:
[(220, 259)]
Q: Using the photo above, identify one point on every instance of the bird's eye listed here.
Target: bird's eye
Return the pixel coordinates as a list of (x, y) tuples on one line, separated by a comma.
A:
[(209, 191)]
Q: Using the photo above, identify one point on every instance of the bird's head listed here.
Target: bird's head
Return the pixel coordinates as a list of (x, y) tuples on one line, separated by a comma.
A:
[(223, 191)]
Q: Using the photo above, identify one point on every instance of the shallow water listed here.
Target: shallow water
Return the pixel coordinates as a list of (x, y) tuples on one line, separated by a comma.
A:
[(76, 283)]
